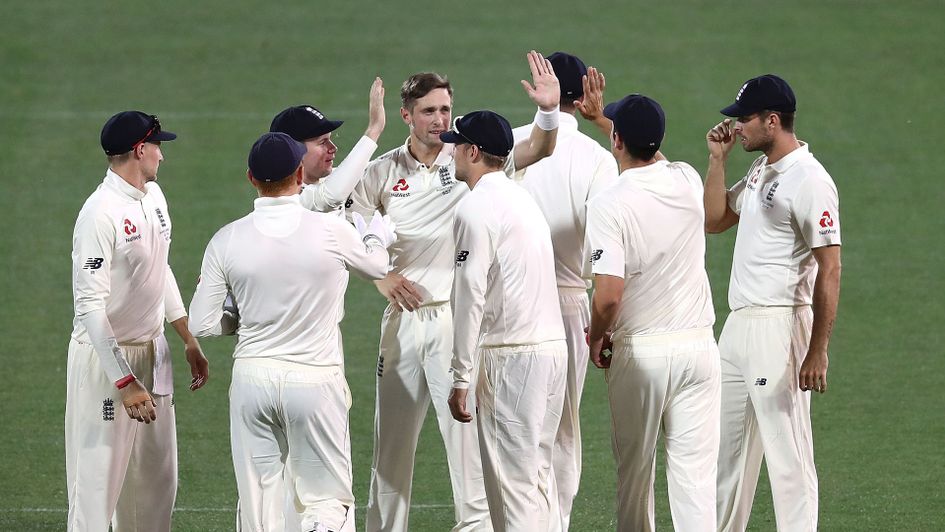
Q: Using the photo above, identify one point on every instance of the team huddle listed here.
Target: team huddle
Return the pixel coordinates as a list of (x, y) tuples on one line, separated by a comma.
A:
[(485, 240)]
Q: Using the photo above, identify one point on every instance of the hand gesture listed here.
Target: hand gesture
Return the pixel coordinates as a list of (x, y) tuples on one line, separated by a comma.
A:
[(400, 292), (380, 229), (721, 139), (199, 366), (546, 91), (377, 118), (591, 106), (138, 402), (457, 402), (601, 350), (813, 374)]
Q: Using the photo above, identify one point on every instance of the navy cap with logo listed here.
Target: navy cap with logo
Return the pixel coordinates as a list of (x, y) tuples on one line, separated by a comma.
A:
[(274, 156), (639, 120), (764, 93), (569, 70), (303, 122), (127, 129), (486, 129)]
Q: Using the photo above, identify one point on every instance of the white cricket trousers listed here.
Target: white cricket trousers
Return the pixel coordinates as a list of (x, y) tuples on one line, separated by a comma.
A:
[(575, 311), (671, 382), (765, 414), (289, 424), (118, 470), (521, 393), (413, 365)]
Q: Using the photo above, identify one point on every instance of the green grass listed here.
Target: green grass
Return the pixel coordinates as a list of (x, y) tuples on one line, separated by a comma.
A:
[(868, 76)]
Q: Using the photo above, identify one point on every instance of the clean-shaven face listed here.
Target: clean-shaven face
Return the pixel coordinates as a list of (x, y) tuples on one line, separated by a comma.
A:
[(151, 160), (430, 116), (319, 157)]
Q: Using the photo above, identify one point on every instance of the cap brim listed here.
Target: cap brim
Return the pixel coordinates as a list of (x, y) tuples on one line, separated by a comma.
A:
[(736, 110), (451, 137), (333, 125), (610, 110), (162, 135)]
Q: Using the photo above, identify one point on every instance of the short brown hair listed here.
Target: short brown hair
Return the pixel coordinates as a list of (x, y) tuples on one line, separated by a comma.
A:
[(120, 158), (494, 161), (419, 85), (787, 119)]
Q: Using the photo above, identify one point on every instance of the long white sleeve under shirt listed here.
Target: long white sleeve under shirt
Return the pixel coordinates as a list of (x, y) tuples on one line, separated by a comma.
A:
[(287, 268), (561, 185), (504, 291), (331, 192), (122, 284)]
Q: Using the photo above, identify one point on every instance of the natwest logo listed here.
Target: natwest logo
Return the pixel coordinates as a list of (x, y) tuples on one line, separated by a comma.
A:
[(130, 228), (826, 220), (401, 185)]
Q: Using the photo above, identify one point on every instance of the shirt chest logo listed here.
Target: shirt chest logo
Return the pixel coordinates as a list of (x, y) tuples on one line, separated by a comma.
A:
[(131, 230), (399, 190), (753, 180), (768, 202)]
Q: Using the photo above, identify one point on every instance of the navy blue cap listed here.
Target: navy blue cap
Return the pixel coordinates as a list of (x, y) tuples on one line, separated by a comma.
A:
[(488, 130), (275, 156), (764, 93), (639, 120), (303, 122), (127, 129), (569, 70)]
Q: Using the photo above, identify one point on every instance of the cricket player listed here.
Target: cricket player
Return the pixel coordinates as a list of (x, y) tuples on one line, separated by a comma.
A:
[(507, 329), (783, 295), (325, 188), (121, 469), (651, 289), (415, 185), (287, 268), (561, 185)]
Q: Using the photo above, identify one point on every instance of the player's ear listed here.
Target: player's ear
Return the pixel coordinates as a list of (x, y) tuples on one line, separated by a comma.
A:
[(249, 175), (299, 172), (405, 115)]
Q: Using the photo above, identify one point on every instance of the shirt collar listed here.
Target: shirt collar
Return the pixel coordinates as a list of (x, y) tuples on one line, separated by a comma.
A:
[(279, 201), (493, 177), (442, 159), (645, 174), (566, 121), (791, 159), (122, 187)]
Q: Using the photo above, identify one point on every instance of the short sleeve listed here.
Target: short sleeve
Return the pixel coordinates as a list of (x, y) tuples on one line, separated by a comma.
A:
[(816, 209), (605, 240)]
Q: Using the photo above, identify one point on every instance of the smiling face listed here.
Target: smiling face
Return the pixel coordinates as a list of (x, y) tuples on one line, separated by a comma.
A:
[(429, 116), (319, 156)]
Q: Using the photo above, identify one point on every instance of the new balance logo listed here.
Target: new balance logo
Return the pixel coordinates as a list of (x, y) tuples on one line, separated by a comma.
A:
[(108, 410), (380, 366), (595, 256), (349, 203), (93, 263), (761, 382), (462, 256)]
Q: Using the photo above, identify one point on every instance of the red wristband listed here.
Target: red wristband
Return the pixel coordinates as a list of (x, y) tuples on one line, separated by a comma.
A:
[(124, 381)]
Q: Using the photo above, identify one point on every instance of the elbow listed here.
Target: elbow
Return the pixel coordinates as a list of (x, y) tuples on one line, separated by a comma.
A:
[(712, 228)]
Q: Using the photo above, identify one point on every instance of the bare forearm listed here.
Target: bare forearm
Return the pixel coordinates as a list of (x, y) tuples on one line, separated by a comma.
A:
[(604, 309), (715, 197), (826, 298), (180, 326)]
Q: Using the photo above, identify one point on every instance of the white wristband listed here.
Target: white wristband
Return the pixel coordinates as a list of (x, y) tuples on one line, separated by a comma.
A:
[(547, 120)]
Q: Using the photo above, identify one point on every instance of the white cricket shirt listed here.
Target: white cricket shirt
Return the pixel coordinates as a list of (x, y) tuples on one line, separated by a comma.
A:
[(421, 202), (331, 192), (785, 209), (119, 264), (504, 293), (649, 230), (287, 268), (561, 185)]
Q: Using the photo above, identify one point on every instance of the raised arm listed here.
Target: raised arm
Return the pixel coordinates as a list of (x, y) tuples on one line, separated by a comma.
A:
[(719, 216), (332, 191), (545, 93)]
